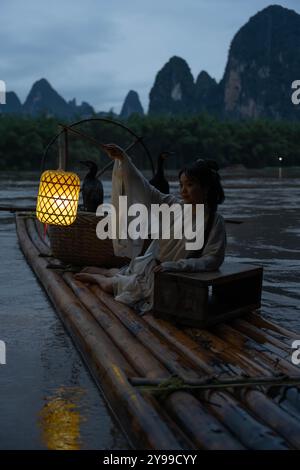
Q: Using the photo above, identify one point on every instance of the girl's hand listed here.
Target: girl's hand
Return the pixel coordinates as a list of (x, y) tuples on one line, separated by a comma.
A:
[(159, 269), (166, 266), (113, 151)]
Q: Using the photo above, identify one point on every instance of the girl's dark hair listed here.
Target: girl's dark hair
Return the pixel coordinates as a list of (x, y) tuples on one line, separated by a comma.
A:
[(205, 173)]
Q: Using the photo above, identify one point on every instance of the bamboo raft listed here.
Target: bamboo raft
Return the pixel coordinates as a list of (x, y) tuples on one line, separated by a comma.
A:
[(230, 387)]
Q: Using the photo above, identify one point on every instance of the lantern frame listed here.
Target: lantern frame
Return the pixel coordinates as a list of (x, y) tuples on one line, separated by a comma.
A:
[(65, 129), (62, 218)]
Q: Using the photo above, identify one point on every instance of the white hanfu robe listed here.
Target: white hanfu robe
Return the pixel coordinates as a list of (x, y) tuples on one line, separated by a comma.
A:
[(134, 284)]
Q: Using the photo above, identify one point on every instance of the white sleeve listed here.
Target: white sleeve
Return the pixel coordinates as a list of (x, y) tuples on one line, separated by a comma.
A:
[(128, 181), (139, 187), (212, 256)]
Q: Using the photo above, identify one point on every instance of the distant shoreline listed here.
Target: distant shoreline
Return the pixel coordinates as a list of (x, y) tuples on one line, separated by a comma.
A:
[(234, 171)]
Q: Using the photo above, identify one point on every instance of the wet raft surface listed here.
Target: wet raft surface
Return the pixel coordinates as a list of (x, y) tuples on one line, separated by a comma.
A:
[(118, 345)]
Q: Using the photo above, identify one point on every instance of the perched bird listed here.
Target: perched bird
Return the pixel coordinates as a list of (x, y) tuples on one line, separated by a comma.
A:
[(92, 188), (159, 181)]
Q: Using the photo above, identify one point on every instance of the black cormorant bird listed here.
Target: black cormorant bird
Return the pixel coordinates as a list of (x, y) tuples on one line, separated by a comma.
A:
[(92, 188), (159, 181)]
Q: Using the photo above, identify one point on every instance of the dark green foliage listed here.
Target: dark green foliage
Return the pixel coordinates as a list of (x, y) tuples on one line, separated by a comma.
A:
[(251, 143)]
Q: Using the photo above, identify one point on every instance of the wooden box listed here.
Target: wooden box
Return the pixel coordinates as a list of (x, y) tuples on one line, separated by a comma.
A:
[(206, 298)]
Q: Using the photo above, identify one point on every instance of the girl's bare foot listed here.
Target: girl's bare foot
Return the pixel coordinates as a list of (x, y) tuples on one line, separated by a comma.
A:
[(106, 284), (104, 271)]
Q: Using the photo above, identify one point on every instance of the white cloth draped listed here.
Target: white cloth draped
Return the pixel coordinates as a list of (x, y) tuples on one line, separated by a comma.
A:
[(134, 285)]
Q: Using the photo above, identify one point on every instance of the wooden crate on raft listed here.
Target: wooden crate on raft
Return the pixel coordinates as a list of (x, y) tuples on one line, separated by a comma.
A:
[(207, 298)]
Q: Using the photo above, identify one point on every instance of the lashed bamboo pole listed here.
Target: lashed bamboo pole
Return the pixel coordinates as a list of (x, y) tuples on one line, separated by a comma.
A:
[(142, 424), (85, 297), (277, 420), (214, 383), (288, 427), (212, 351), (148, 366), (42, 247), (133, 350), (205, 429), (271, 327), (225, 440), (43, 234), (256, 351), (224, 408), (168, 356), (260, 336), (245, 418), (223, 345), (242, 340)]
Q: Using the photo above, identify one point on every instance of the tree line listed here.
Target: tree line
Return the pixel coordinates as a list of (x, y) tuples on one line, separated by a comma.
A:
[(254, 144)]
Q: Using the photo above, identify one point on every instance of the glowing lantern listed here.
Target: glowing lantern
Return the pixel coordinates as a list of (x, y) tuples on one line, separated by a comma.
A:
[(58, 197)]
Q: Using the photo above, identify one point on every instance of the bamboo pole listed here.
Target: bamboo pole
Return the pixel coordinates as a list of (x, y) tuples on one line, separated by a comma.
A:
[(123, 313), (287, 426), (256, 351), (40, 228), (244, 418), (270, 326), (209, 348), (139, 421), (254, 434), (225, 439), (260, 336), (277, 420), (242, 340), (214, 383), (206, 429), (240, 416), (36, 240), (168, 356), (133, 350), (191, 421)]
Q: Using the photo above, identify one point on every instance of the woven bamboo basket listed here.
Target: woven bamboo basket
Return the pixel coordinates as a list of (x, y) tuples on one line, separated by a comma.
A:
[(78, 244)]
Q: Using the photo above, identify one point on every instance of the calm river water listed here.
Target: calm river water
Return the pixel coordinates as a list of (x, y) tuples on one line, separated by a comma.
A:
[(47, 397)]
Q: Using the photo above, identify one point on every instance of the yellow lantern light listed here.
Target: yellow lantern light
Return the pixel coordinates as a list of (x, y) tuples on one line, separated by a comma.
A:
[(58, 197)]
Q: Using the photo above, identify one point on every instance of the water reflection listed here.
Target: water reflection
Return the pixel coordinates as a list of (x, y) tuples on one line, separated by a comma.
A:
[(60, 420), (42, 361)]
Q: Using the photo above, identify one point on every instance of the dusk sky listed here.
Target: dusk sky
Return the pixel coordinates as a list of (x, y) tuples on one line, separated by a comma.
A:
[(98, 50)]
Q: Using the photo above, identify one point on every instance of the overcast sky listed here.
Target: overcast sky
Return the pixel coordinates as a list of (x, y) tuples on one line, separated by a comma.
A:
[(97, 50)]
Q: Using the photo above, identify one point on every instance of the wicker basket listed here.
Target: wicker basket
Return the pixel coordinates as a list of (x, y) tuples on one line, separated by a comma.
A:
[(78, 244)]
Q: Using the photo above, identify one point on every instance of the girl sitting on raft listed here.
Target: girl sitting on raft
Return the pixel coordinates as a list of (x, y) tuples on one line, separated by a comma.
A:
[(199, 184)]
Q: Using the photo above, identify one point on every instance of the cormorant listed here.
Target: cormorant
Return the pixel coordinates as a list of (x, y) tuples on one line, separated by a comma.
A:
[(159, 181), (92, 188)]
